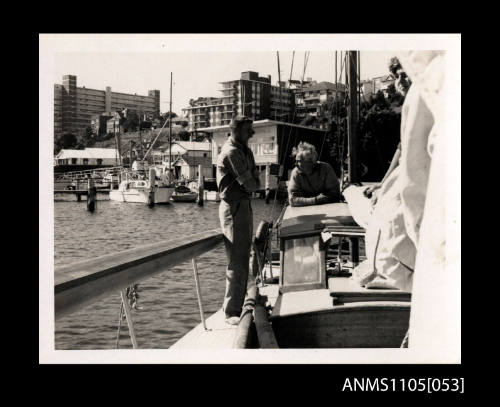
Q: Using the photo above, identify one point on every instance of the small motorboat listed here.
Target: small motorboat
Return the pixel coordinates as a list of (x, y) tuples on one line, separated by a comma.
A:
[(184, 194), (138, 191)]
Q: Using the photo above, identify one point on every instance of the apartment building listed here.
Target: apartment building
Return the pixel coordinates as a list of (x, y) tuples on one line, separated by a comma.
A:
[(75, 106), (372, 86), (251, 95), (310, 99)]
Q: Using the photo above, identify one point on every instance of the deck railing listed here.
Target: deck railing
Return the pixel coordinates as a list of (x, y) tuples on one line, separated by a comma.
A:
[(80, 284)]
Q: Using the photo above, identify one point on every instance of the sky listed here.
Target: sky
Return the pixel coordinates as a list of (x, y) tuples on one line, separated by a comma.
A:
[(197, 74)]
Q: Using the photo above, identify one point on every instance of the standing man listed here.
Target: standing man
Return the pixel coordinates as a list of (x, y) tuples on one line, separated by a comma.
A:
[(237, 177)]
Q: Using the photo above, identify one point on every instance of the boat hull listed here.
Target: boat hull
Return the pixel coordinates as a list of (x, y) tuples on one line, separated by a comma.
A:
[(189, 197), (358, 325), (162, 195), (58, 185)]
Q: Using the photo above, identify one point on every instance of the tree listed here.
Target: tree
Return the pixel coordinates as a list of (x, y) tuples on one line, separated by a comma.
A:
[(65, 140), (309, 120), (130, 121), (160, 120), (89, 132), (184, 135)]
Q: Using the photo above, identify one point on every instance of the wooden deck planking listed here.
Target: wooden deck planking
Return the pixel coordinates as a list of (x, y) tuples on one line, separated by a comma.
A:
[(219, 335)]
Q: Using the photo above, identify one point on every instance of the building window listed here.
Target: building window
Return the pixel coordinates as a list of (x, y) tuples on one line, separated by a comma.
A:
[(73, 161), (85, 161), (254, 148), (204, 154), (99, 161), (268, 148)]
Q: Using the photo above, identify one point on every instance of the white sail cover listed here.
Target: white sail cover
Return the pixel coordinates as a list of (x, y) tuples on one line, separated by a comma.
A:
[(435, 315), (406, 230)]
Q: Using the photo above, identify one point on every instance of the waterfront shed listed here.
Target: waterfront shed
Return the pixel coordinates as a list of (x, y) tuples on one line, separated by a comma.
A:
[(89, 156), (186, 157)]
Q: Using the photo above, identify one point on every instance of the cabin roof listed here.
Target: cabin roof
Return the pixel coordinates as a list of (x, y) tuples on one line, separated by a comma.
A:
[(310, 219)]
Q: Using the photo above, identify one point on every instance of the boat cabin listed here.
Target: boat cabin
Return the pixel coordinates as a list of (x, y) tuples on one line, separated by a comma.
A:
[(319, 306), (305, 236)]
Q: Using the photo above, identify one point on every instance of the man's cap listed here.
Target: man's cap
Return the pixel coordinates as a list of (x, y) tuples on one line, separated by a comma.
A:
[(238, 119)]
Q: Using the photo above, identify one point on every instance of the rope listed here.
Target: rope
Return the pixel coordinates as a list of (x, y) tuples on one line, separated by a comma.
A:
[(119, 325)]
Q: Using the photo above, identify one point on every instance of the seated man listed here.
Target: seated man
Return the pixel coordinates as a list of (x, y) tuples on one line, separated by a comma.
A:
[(312, 182)]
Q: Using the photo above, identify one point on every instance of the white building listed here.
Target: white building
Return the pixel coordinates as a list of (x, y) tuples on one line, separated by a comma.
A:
[(272, 143), (89, 156), (186, 157)]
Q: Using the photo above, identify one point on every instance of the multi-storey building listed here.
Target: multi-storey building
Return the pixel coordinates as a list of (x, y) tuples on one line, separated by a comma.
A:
[(113, 123), (98, 123), (74, 106), (251, 95), (311, 99), (372, 86)]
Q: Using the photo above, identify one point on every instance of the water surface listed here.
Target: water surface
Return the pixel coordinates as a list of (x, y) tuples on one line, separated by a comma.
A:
[(170, 306)]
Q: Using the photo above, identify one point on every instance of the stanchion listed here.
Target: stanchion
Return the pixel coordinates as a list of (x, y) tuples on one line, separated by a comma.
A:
[(198, 293)]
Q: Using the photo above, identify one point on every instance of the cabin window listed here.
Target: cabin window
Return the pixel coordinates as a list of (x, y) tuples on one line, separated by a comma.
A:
[(302, 261)]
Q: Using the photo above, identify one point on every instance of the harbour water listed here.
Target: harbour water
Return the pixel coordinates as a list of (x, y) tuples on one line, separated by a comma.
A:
[(168, 300)]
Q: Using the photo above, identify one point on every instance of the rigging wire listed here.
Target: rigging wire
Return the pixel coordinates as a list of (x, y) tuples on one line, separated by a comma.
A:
[(284, 156), (291, 69)]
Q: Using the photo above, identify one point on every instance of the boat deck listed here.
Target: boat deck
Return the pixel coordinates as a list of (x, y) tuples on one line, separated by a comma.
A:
[(218, 335)]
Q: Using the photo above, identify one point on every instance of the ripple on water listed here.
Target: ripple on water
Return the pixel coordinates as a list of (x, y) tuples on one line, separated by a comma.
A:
[(170, 307)]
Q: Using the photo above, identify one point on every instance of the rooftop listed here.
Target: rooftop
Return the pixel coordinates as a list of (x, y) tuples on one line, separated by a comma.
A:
[(88, 153), (324, 86), (259, 123), (190, 145)]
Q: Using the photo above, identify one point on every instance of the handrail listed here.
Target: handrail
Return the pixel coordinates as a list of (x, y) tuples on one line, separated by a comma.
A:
[(80, 284)]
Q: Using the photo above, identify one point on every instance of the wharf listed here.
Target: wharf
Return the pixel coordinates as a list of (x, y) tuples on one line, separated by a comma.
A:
[(80, 191)]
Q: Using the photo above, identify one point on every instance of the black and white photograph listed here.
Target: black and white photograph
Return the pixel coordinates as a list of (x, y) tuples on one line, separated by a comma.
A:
[(249, 198)]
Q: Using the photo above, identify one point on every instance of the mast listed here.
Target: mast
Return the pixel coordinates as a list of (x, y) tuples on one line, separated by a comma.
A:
[(336, 106), (140, 136), (352, 112), (170, 132), (279, 84)]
